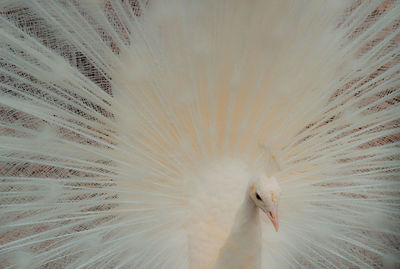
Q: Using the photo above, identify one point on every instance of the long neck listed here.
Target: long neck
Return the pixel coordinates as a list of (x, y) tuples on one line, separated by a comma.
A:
[(247, 217), (242, 248)]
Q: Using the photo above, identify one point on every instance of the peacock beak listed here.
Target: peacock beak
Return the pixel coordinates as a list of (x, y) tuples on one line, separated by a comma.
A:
[(273, 216)]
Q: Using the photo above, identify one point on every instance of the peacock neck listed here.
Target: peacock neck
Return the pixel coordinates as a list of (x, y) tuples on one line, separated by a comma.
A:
[(247, 216), (242, 249)]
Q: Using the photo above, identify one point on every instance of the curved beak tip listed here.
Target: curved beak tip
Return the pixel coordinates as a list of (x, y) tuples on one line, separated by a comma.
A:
[(275, 223), (276, 227), (273, 216)]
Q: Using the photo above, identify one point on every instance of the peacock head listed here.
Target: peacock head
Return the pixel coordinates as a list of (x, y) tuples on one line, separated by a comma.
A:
[(265, 193)]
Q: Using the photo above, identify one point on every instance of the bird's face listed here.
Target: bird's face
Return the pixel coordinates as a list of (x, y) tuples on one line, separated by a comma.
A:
[(265, 192)]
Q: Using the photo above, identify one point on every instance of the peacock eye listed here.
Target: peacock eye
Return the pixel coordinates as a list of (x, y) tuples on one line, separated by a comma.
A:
[(258, 197)]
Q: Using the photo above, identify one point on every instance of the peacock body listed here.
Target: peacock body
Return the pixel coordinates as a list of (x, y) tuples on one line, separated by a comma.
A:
[(130, 130)]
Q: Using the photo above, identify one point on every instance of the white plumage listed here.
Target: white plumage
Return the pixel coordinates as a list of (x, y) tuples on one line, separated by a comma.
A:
[(130, 130)]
